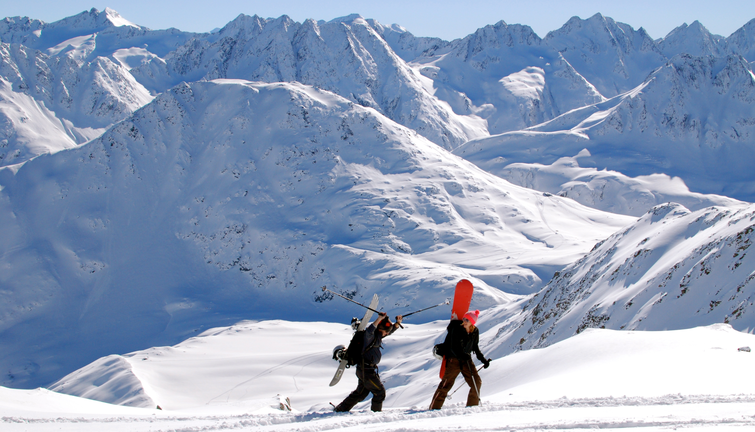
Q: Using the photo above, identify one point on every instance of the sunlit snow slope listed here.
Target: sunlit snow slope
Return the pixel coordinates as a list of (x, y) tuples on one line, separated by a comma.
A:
[(227, 200), (232, 369)]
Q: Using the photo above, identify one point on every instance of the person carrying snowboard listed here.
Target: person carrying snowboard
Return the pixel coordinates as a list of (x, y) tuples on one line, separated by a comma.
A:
[(367, 368), (462, 339)]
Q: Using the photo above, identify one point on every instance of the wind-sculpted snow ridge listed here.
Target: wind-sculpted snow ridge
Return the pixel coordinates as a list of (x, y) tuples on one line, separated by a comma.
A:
[(671, 260), (228, 199), (51, 103), (345, 56), (609, 190), (694, 118)]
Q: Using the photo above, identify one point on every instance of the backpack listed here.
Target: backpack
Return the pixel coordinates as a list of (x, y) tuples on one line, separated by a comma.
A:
[(355, 350)]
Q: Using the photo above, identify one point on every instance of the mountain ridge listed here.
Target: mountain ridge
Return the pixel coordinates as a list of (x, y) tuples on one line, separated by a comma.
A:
[(671, 259)]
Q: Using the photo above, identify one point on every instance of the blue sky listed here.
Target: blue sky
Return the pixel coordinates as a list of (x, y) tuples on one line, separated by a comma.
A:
[(442, 18)]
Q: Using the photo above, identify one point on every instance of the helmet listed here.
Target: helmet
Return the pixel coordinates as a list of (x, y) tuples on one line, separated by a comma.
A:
[(436, 352), (339, 352)]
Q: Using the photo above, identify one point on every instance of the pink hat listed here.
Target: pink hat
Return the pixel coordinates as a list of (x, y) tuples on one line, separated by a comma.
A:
[(472, 316)]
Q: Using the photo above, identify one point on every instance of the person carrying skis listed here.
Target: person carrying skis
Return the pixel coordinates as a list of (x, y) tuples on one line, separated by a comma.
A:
[(462, 339), (367, 368)]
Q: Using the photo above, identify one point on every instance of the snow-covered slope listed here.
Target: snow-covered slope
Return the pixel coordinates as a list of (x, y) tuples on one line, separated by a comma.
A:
[(608, 190), (694, 379), (742, 41), (50, 103), (694, 119), (226, 200), (346, 56), (673, 269), (28, 128), (235, 369), (64, 83)]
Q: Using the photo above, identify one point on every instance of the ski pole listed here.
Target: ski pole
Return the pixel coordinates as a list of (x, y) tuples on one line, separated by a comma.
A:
[(457, 388), (418, 311), (346, 298)]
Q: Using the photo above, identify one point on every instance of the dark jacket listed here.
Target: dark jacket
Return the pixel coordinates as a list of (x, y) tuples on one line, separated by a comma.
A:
[(460, 344), (373, 343)]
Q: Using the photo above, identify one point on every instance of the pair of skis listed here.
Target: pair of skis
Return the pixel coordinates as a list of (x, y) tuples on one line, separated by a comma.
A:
[(462, 300)]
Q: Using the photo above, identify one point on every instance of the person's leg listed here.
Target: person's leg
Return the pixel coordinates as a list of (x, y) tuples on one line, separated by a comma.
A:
[(373, 384), (452, 371), (469, 372), (355, 397)]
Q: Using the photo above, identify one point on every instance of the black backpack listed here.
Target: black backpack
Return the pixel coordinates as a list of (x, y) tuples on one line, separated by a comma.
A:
[(355, 351)]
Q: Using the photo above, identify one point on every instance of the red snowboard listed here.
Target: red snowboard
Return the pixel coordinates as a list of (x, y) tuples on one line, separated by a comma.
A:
[(462, 299)]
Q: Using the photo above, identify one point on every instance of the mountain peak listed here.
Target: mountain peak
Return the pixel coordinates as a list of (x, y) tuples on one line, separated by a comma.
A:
[(698, 27), (576, 23), (598, 18), (693, 39), (349, 19), (116, 18), (241, 23), (742, 41)]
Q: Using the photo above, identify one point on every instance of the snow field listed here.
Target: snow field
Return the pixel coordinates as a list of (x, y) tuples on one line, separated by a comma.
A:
[(234, 378)]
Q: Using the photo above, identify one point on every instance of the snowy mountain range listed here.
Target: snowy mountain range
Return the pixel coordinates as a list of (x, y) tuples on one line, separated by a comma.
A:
[(243, 199), (692, 119), (154, 184)]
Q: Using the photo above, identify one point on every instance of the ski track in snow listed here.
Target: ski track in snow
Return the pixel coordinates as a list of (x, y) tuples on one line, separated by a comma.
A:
[(294, 361), (689, 412)]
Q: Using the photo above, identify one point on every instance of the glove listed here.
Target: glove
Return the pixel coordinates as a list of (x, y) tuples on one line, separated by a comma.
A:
[(486, 363)]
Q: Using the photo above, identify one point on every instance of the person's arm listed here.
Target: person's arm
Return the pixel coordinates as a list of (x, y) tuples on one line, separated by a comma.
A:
[(381, 317), (485, 362), (396, 325)]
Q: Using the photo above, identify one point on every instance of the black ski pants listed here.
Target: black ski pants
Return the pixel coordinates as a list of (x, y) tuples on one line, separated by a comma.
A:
[(369, 382)]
